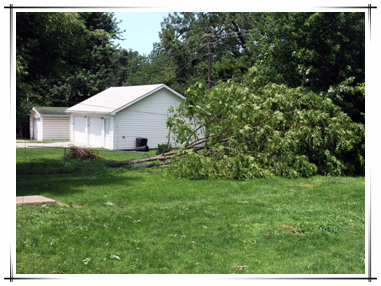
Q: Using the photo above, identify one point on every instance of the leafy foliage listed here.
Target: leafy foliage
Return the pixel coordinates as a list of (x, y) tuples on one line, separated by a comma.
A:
[(253, 129), (163, 148), (318, 51), (67, 57)]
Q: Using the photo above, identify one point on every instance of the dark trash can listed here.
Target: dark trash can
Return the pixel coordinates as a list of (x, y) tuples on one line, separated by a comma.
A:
[(142, 148), (140, 142)]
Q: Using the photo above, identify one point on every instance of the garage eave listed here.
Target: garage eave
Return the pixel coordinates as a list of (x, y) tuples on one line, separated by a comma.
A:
[(89, 112)]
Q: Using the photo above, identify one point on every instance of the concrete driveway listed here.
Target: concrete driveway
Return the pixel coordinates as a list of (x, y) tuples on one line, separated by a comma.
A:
[(36, 144)]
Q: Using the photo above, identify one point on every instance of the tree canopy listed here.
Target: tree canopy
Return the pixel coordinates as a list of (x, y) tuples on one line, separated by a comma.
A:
[(67, 57), (318, 51)]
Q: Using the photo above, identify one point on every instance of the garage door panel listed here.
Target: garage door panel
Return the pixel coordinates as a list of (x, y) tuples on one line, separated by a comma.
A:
[(95, 131), (80, 129)]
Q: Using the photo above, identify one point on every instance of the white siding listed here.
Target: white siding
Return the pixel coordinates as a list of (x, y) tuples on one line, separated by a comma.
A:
[(71, 128), (146, 118), (56, 128)]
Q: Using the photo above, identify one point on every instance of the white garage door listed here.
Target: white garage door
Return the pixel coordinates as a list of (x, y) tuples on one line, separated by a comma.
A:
[(36, 125), (107, 134), (80, 129), (95, 131)]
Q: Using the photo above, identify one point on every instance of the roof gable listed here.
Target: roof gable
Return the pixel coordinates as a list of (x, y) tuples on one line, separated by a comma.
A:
[(114, 99), (48, 110)]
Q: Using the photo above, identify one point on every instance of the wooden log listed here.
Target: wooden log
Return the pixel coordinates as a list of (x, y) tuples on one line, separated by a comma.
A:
[(116, 164), (194, 146)]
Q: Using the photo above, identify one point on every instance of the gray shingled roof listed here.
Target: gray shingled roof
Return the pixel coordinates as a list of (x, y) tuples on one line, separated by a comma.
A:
[(114, 99), (45, 110)]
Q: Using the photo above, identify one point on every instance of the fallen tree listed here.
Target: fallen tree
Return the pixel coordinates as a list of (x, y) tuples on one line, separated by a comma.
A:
[(163, 157), (251, 129), (116, 164)]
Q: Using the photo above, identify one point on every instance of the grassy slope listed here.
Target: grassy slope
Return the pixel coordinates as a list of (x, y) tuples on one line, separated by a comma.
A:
[(143, 221)]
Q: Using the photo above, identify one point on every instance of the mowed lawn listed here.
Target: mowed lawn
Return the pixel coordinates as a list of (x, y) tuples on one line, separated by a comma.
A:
[(144, 221)]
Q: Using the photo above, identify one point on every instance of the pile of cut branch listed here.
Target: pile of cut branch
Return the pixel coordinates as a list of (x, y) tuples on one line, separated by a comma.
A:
[(82, 154)]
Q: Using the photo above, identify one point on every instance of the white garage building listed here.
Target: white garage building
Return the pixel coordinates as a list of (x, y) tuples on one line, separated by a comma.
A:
[(115, 117), (49, 123)]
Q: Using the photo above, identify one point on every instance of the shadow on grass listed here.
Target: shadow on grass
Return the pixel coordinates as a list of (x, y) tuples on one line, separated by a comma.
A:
[(65, 177)]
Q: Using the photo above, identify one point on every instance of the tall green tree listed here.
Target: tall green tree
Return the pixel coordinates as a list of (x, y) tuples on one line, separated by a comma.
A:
[(94, 65), (43, 43), (319, 51), (184, 37), (67, 57)]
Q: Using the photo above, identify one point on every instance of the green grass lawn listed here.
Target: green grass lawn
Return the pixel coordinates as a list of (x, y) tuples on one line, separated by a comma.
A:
[(143, 221)]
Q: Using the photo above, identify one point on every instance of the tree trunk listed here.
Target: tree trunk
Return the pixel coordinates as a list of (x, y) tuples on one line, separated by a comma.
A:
[(163, 157), (20, 131), (167, 156)]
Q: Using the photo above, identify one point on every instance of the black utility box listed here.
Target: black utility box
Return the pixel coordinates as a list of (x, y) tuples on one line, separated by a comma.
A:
[(142, 148), (140, 142)]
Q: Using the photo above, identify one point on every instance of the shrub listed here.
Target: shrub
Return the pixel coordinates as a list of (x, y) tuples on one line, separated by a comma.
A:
[(163, 148)]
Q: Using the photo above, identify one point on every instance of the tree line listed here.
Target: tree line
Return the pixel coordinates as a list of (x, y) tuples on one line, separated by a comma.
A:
[(71, 56)]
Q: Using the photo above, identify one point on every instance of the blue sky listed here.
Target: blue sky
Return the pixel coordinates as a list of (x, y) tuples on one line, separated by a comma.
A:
[(142, 30)]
